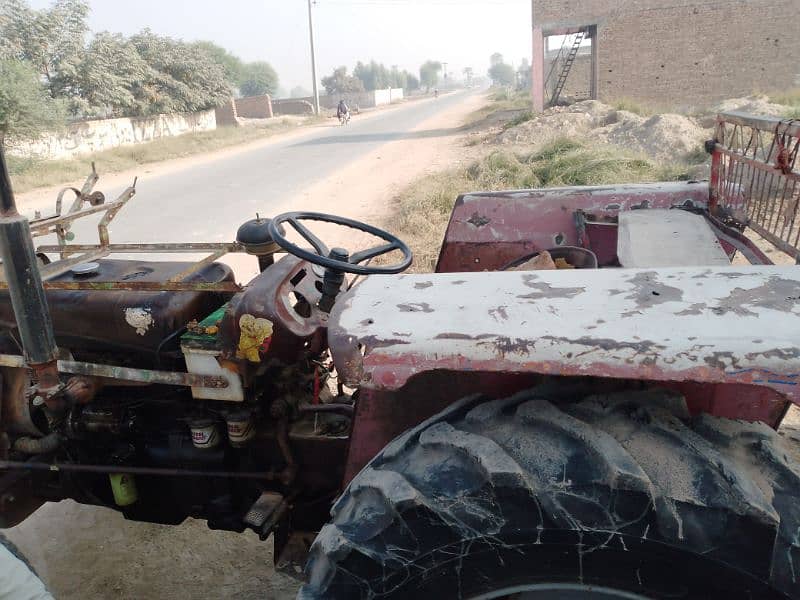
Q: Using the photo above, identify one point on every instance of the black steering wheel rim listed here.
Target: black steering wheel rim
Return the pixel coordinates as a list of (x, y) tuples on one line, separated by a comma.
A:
[(320, 254)]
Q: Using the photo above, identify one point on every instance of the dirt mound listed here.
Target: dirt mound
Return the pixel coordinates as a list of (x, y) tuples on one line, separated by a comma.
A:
[(755, 105), (575, 120), (666, 137), (547, 127)]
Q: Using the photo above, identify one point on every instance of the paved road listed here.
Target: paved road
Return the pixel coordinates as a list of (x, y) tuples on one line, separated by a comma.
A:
[(207, 202)]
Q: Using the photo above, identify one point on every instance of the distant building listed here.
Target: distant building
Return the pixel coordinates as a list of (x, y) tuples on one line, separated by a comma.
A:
[(668, 52)]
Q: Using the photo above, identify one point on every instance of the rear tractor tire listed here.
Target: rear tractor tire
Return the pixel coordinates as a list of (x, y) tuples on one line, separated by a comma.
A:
[(612, 496)]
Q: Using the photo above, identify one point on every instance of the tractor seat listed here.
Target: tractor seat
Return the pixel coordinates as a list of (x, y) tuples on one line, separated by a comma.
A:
[(658, 237), (126, 321)]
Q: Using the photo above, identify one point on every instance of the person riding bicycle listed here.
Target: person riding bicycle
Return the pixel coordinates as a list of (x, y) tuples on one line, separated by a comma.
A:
[(342, 109)]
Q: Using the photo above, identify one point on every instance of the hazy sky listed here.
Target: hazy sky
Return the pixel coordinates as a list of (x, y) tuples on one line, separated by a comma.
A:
[(395, 32)]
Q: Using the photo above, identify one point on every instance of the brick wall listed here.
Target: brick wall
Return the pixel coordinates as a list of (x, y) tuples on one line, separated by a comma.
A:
[(226, 114), (578, 82), (685, 52), (254, 107), (293, 106)]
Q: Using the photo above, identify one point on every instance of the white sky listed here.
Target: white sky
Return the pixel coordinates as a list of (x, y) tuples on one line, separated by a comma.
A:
[(396, 32)]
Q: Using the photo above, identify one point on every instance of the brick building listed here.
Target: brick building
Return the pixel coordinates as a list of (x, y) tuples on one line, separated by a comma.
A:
[(675, 52)]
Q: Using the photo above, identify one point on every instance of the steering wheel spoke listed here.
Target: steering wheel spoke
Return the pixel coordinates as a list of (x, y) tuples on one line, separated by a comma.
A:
[(334, 260), (309, 236), (361, 256)]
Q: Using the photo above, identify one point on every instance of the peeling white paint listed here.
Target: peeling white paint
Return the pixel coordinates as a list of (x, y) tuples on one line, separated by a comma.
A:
[(731, 319), (139, 318)]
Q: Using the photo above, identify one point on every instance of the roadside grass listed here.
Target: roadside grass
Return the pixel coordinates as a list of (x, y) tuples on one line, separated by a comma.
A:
[(521, 118), (792, 112), (500, 101), (634, 107), (422, 210), (789, 98), (31, 173), (697, 156)]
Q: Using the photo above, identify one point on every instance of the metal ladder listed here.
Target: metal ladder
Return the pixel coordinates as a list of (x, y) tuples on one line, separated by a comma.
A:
[(568, 62)]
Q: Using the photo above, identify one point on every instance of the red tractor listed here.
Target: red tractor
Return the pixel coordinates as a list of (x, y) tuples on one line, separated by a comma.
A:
[(494, 429)]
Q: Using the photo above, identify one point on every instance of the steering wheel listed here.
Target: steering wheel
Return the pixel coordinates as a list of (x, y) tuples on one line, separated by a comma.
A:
[(338, 259)]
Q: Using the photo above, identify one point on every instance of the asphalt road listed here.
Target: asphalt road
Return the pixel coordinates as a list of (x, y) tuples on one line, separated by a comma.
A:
[(208, 201)]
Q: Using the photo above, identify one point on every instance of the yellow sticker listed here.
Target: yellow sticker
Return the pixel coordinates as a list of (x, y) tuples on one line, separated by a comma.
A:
[(253, 333)]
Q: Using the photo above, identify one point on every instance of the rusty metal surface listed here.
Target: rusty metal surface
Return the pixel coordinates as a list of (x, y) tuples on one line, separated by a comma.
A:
[(755, 180), (489, 230), (124, 373), (724, 325), (131, 315), (269, 296), (141, 286)]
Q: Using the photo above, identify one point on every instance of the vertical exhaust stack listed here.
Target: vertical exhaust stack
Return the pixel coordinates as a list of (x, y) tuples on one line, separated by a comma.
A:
[(27, 293)]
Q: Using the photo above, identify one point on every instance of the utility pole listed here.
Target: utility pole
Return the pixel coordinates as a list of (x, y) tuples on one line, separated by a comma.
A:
[(313, 60), (444, 66)]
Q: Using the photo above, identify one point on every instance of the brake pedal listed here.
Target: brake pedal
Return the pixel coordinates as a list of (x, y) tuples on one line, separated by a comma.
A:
[(262, 510)]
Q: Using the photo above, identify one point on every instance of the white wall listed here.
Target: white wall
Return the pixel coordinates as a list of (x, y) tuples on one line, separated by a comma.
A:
[(93, 136), (395, 94), (382, 97)]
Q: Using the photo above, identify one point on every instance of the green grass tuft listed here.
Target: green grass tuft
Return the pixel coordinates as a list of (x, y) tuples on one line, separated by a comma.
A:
[(634, 107), (789, 98)]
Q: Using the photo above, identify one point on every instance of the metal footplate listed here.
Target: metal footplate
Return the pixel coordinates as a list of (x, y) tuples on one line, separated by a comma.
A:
[(265, 513)]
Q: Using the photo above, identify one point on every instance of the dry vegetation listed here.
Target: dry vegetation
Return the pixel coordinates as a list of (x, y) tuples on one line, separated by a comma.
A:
[(30, 173)]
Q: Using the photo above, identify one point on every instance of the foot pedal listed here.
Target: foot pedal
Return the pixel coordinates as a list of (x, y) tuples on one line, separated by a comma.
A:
[(262, 510)]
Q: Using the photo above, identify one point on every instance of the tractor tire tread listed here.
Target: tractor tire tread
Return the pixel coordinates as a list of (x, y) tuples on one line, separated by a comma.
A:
[(625, 465)]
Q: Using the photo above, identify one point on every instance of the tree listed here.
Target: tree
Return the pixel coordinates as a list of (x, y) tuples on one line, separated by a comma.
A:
[(26, 107), (373, 76), (339, 82), (52, 39), (258, 78), (502, 74), (496, 59), (429, 74), (231, 64), (111, 78), (299, 92), (179, 79), (412, 83)]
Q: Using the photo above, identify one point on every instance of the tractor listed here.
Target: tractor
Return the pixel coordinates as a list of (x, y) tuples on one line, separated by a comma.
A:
[(601, 424)]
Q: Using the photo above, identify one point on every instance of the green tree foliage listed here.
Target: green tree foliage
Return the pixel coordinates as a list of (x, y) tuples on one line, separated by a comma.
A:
[(258, 78), (231, 64), (429, 74), (375, 76), (52, 40), (412, 83), (118, 76), (496, 59), (339, 82), (110, 78), (26, 107), (500, 72), (179, 79)]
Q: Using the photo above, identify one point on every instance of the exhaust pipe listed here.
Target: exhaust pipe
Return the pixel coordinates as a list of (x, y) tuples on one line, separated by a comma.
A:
[(27, 294)]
